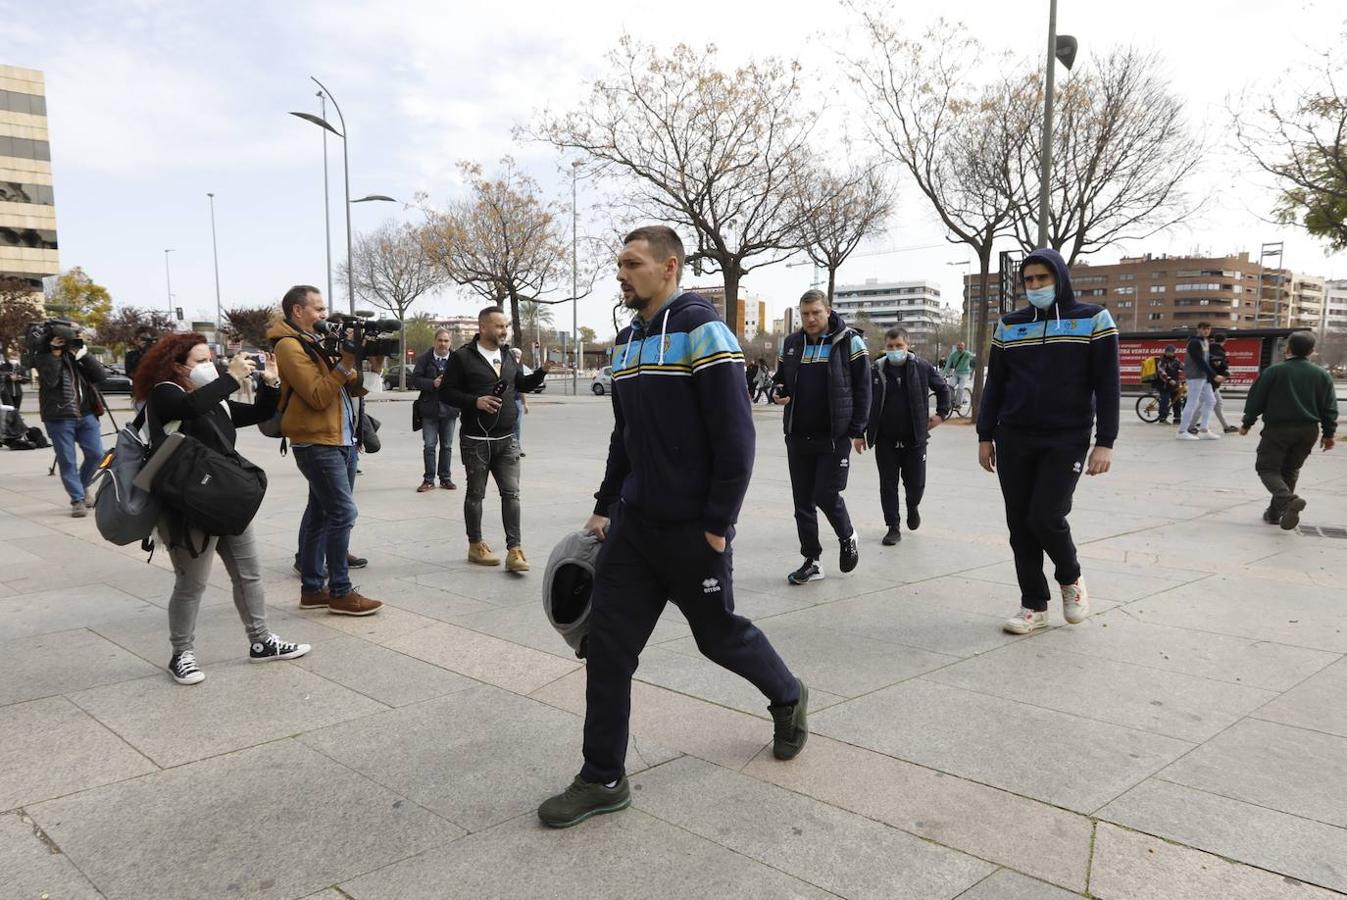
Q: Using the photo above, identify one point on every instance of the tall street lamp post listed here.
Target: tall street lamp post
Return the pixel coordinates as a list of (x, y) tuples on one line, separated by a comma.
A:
[(168, 281), (215, 254), (575, 280), (1059, 48)]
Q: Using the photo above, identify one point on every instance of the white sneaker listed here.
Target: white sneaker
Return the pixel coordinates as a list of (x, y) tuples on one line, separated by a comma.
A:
[(1185, 436), (1025, 621), (1075, 602), (1208, 436)]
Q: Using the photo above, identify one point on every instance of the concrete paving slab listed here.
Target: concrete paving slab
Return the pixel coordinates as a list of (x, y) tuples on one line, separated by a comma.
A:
[(50, 748), (226, 827), (997, 742), (1295, 771), (477, 757), (1045, 841), (175, 724), (1120, 636), (1130, 865), (629, 854), (1317, 703), (839, 851), (526, 623), (1005, 884), (381, 674), (388, 623), (31, 866), (485, 658), (699, 677), (1167, 703), (66, 608), (1301, 848), (85, 660)]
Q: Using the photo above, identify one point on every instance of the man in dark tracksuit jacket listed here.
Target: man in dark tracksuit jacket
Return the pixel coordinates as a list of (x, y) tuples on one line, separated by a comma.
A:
[(823, 379), (1053, 369), (679, 462), (1298, 402), (435, 417), (900, 425)]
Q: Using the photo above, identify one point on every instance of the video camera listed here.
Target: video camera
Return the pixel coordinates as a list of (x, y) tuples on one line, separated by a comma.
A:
[(365, 338), (37, 338)]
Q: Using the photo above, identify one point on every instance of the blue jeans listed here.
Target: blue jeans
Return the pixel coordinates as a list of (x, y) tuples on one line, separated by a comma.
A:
[(439, 431), (65, 434), (325, 531)]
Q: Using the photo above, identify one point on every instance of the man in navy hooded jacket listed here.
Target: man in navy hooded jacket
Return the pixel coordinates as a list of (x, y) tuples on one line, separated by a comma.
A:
[(679, 462), (1052, 373)]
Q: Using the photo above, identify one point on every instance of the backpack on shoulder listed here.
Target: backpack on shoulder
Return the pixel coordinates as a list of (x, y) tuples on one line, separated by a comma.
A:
[(123, 512)]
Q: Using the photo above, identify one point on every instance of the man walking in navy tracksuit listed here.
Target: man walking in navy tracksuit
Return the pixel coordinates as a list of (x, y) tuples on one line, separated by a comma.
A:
[(1053, 370), (679, 462), (824, 381)]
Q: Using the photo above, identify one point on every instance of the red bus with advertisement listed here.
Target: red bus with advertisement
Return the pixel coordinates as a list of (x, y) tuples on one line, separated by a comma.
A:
[(1249, 351)]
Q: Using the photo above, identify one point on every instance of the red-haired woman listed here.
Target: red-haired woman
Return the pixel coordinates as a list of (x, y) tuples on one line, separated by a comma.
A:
[(180, 385)]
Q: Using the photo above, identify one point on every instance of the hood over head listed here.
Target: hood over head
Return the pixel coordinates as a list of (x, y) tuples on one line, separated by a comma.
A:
[(1049, 257)]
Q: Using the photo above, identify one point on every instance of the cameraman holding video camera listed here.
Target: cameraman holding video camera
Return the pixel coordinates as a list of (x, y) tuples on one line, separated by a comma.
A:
[(320, 382), (69, 403)]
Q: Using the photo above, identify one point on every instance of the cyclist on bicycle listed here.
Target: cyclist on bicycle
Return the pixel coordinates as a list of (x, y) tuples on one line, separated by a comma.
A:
[(1169, 383), (958, 369)]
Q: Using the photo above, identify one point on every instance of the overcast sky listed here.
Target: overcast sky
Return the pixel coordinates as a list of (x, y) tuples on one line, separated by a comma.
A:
[(153, 104)]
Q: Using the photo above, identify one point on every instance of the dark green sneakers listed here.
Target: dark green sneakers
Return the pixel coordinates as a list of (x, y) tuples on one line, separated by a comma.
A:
[(792, 726), (582, 800)]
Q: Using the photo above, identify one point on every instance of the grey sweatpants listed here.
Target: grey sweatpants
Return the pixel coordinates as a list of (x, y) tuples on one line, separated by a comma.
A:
[(245, 571)]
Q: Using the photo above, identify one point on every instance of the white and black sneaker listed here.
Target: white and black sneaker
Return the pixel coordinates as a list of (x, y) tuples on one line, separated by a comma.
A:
[(275, 648), (184, 669), (810, 571), (850, 554)]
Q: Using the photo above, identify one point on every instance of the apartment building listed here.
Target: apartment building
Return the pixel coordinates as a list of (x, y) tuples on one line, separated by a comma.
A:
[(28, 247), (913, 305)]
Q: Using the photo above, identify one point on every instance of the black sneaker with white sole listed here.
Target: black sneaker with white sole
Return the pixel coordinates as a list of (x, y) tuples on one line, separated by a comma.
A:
[(850, 553), (810, 571), (275, 648), (184, 669)]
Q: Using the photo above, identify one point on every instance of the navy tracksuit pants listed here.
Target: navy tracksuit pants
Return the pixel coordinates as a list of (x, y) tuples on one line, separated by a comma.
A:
[(641, 566), (818, 476), (897, 459), (1038, 474)]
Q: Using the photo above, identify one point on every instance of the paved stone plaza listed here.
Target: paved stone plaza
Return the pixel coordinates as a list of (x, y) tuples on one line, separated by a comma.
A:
[(1189, 740)]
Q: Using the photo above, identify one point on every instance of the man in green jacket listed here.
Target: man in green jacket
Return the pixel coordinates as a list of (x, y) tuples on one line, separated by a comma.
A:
[(959, 371), (1297, 401)]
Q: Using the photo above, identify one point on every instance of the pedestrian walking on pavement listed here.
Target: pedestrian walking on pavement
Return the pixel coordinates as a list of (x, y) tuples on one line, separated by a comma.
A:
[(901, 384), (1220, 364), (1053, 372), (1299, 405), (1202, 383), (823, 379), (679, 461), (433, 416)]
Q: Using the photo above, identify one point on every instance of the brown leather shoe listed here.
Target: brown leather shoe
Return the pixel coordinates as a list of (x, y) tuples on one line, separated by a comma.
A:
[(480, 554), (353, 604), (315, 600), (449, 485), (426, 486), (515, 561)]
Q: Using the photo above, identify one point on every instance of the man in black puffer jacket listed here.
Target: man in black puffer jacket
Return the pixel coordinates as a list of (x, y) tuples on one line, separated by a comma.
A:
[(824, 380), (900, 423)]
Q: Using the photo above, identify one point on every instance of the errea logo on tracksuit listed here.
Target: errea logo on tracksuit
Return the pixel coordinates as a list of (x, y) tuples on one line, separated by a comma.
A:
[(711, 586)]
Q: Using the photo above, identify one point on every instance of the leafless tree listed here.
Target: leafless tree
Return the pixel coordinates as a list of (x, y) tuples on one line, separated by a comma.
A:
[(249, 324), (392, 271), (837, 211), (1304, 146), (504, 241), (712, 150), (1123, 156), (952, 135)]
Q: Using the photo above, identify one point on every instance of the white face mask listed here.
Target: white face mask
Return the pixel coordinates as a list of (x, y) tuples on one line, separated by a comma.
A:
[(202, 374)]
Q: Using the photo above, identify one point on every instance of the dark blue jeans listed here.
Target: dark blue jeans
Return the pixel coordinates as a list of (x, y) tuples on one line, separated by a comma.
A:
[(439, 431), (65, 434), (325, 531)]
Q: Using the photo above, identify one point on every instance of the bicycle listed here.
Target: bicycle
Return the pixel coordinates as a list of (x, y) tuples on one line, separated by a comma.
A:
[(1148, 404), (961, 400)]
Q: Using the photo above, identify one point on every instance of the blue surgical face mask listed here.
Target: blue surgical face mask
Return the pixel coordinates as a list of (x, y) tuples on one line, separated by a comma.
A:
[(1042, 297), (897, 357)]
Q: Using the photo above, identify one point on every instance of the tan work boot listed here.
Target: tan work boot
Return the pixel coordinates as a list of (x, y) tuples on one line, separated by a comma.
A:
[(480, 554), (515, 561), (353, 604)]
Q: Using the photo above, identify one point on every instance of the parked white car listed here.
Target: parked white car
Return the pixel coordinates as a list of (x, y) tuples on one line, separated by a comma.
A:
[(602, 382)]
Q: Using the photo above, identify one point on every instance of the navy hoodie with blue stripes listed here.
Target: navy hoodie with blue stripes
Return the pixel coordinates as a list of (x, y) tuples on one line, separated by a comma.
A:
[(1054, 371), (683, 441)]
